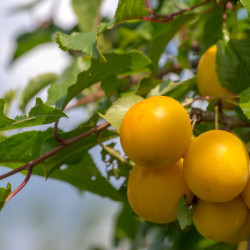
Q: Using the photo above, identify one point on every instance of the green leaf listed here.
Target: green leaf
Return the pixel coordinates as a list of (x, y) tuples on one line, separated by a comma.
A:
[(233, 63), (79, 41), (116, 112), (25, 7), (27, 41), (34, 86), (111, 84), (116, 64), (87, 13), (9, 97), (86, 177), (40, 114), (73, 153), (210, 27), (130, 9), (4, 194), (164, 33), (177, 90), (58, 90), (246, 5), (184, 214), (245, 102), (126, 224), (21, 148)]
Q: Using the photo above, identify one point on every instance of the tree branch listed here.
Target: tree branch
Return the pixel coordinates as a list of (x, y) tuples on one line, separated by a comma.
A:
[(167, 18), (227, 121), (21, 186), (87, 99), (32, 164)]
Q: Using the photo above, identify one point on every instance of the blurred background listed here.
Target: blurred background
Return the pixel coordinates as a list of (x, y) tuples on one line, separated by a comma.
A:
[(48, 214)]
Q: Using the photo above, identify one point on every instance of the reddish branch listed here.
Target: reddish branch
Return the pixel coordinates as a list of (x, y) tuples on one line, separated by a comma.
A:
[(32, 164), (87, 99), (167, 18), (20, 186)]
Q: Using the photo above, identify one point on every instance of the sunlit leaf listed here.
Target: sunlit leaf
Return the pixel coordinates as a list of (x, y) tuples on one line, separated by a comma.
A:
[(245, 102), (40, 114), (130, 9), (87, 13), (184, 214), (84, 42), (4, 193), (116, 112)]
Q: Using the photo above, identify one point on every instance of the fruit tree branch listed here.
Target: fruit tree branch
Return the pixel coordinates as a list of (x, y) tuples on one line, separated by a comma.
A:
[(20, 186), (32, 164), (227, 121), (167, 18)]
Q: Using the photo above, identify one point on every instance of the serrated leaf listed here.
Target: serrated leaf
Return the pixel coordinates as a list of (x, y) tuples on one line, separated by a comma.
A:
[(245, 102), (4, 193), (79, 41), (177, 90), (34, 86), (86, 177), (184, 214), (27, 41), (40, 114), (116, 112), (116, 64), (58, 90), (87, 12), (233, 63), (164, 33), (130, 9), (246, 5), (23, 147), (73, 153)]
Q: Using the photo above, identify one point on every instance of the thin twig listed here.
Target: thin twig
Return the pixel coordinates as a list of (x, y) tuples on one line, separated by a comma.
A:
[(87, 99), (167, 18), (42, 158), (149, 7), (56, 134), (201, 98), (216, 117), (21, 186)]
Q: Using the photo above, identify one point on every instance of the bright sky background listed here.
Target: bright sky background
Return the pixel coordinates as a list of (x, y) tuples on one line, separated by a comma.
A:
[(47, 215)]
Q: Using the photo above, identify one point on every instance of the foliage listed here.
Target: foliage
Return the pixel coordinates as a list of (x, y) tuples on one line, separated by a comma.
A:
[(116, 62)]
